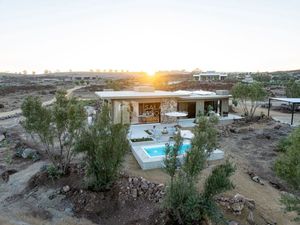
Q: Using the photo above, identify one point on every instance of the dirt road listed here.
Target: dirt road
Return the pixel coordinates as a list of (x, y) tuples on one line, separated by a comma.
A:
[(16, 112)]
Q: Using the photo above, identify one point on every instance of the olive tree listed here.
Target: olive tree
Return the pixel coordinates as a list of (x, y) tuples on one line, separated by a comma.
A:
[(293, 89), (204, 142), (287, 166), (171, 160), (183, 203), (56, 127), (104, 144), (249, 95)]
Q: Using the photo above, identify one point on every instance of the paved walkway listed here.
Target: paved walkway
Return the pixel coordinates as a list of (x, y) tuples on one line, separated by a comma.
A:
[(17, 112)]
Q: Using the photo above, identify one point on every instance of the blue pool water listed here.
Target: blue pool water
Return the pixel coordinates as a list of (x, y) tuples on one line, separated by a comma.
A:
[(159, 150)]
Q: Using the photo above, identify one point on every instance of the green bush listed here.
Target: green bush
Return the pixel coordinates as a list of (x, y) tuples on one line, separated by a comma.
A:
[(287, 166), (204, 142), (235, 102), (283, 144), (53, 172), (293, 89), (105, 145), (4, 143), (182, 202), (8, 156), (61, 123), (292, 203), (252, 93), (218, 181), (34, 156), (171, 161), (185, 205)]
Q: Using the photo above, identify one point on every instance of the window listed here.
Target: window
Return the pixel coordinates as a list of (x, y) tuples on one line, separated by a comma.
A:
[(149, 112)]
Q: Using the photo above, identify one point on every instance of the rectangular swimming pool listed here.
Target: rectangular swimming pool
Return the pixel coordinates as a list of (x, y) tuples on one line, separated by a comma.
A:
[(160, 150)]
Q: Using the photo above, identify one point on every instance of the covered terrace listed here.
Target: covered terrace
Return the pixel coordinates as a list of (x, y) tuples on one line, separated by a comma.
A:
[(294, 102)]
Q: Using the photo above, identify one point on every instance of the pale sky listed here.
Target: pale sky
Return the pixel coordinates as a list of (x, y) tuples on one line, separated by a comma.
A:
[(148, 35)]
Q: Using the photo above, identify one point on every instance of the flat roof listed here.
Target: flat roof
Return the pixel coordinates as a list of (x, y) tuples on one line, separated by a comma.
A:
[(191, 97), (182, 94), (138, 94), (210, 74), (290, 100)]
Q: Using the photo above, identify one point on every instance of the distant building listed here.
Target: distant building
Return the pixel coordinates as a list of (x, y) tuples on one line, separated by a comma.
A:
[(248, 79), (210, 75)]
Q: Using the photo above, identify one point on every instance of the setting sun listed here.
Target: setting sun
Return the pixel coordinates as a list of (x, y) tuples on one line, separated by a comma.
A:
[(151, 73)]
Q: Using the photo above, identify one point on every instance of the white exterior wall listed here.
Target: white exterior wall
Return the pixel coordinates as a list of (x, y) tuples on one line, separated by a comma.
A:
[(135, 113), (116, 111), (121, 112), (125, 112)]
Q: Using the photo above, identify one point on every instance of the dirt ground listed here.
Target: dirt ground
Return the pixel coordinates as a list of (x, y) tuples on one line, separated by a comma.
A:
[(39, 200), (31, 196), (14, 89), (281, 116), (251, 150), (89, 91)]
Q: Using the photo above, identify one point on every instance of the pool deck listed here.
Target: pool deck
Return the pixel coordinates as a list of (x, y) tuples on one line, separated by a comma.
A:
[(139, 131)]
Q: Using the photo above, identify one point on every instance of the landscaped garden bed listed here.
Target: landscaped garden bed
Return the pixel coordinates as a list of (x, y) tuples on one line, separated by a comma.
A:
[(141, 139)]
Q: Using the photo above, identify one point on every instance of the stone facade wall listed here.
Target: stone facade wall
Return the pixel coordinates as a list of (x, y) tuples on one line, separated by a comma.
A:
[(168, 105)]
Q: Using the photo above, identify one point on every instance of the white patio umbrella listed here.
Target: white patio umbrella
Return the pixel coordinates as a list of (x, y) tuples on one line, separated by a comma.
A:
[(176, 114)]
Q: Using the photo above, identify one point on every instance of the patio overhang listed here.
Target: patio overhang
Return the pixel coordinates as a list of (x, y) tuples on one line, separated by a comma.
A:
[(138, 94), (205, 97), (292, 101)]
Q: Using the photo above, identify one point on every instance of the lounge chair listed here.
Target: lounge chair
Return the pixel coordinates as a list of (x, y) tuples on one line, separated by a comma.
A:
[(186, 134)]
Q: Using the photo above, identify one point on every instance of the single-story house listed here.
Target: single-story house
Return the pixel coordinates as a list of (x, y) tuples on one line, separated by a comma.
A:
[(146, 105), (210, 75)]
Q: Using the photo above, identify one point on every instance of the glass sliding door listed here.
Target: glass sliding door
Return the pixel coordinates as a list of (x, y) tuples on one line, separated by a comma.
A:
[(210, 105), (189, 107)]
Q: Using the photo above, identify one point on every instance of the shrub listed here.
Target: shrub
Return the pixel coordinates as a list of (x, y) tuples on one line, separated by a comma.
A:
[(235, 102), (180, 201), (105, 145), (34, 156), (204, 142), (293, 89), (171, 161), (183, 203), (283, 144), (218, 181), (292, 203), (61, 123), (287, 166), (7, 157), (249, 92), (53, 172)]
